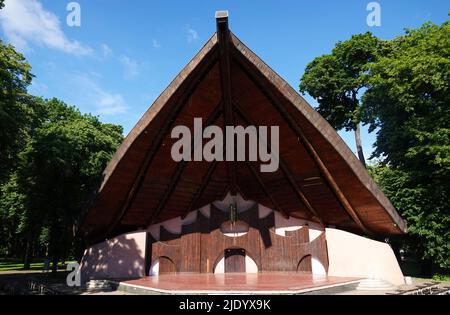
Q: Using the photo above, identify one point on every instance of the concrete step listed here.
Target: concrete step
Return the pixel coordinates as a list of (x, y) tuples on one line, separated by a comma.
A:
[(375, 285), (98, 285)]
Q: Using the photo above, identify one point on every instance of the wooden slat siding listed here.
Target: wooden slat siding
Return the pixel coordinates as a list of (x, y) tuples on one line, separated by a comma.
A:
[(287, 173), (319, 247), (266, 191), (141, 207), (181, 165), (305, 264), (201, 188), (322, 125), (223, 36), (202, 104), (234, 260), (194, 80), (166, 266), (259, 109), (298, 131), (201, 245), (300, 239)]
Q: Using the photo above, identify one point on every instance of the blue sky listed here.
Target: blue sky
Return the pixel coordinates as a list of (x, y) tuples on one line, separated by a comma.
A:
[(126, 52)]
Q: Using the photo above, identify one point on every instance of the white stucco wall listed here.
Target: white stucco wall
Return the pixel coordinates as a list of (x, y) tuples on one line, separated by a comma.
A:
[(317, 267), (220, 267), (175, 225), (250, 265), (120, 257), (154, 268), (241, 204), (352, 255)]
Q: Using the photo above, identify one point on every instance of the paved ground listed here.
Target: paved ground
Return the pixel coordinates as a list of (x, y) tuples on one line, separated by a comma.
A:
[(415, 283), (57, 282)]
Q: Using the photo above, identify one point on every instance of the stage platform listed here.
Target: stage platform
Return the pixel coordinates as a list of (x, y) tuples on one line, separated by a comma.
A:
[(240, 283)]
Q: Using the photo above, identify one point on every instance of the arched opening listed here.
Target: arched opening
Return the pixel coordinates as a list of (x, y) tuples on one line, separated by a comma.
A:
[(305, 265), (251, 264)]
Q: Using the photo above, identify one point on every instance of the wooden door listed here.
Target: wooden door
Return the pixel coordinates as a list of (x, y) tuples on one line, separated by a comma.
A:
[(235, 260)]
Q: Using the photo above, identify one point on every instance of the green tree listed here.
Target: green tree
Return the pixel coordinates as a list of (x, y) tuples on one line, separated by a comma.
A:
[(409, 103), (12, 226), (337, 79), (51, 159), (61, 167), (15, 76)]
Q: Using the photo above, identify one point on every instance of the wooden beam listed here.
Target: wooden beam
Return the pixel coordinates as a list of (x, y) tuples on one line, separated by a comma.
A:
[(285, 169), (224, 42), (259, 80), (181, 165), (193, 81), (266, 191), (212, 167)]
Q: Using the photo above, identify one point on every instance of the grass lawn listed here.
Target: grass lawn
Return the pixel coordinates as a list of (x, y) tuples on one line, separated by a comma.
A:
[(15, 265), (413, 269)]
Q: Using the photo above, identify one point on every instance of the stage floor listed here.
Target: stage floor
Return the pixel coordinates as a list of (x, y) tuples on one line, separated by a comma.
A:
[(257, 283)]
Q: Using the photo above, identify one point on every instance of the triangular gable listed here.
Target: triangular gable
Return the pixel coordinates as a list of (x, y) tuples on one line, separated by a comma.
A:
[(320, 179)]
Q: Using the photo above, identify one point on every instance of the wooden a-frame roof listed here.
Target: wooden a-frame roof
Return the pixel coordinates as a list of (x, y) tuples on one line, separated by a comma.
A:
[(319, 178)]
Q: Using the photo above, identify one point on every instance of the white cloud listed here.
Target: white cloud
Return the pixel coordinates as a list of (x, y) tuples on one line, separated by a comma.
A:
[(106, 50), (131, 67), (105, 102), (25, 21), (156, 44), (111, 104), (192, 35)]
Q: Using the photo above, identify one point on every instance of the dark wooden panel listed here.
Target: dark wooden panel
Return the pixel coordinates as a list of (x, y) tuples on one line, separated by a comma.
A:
[(235, 260), (201, 245), (305, 264), (166, 265)]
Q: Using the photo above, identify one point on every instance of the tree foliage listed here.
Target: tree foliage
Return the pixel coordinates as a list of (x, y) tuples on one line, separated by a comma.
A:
[(336, 80), (403, 86), (425, 207), (61, 167), (15, 76), (406, 100), (52, 159), (409, 104), (409, 100)]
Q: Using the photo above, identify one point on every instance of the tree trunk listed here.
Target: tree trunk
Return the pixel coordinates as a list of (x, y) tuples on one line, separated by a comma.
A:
[(54, 263), (359, 148), (27, 259), (426, 268)]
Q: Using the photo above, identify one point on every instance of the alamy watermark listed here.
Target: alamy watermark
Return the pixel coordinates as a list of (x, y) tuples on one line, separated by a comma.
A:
[(73, 279), (74, 17), (234, 143), (374, 17)]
